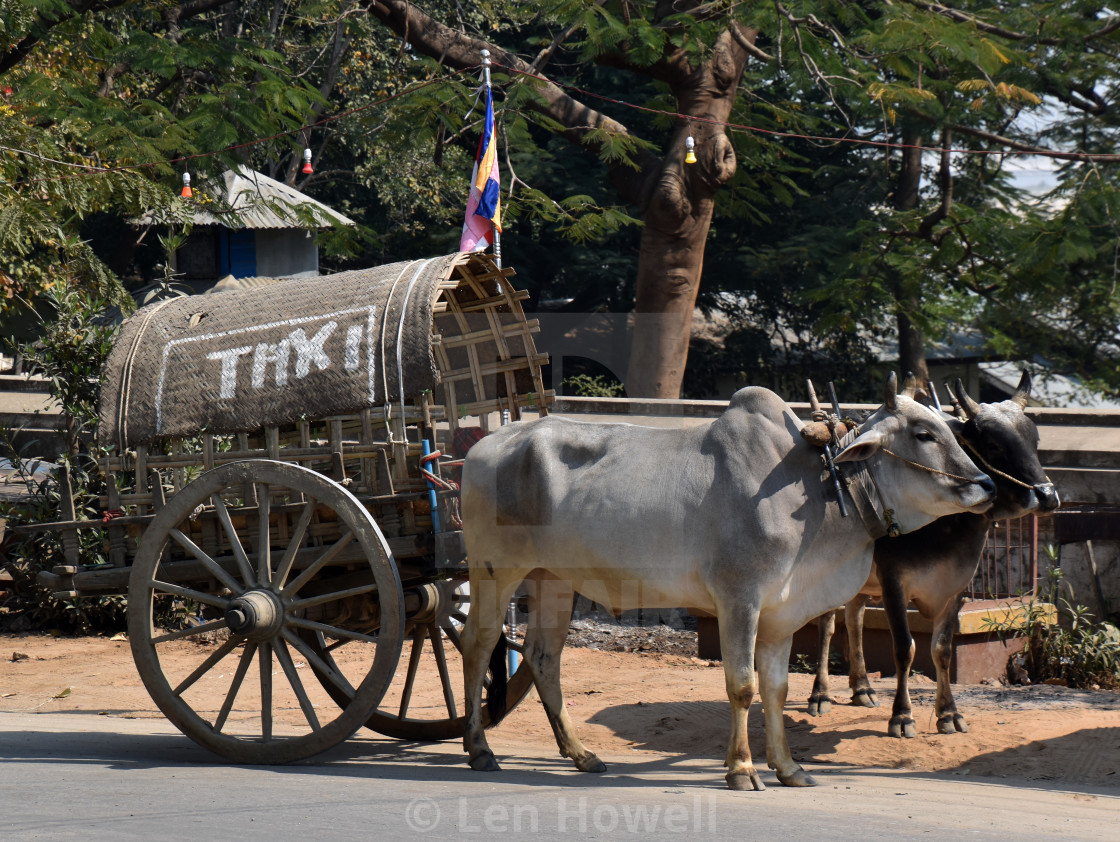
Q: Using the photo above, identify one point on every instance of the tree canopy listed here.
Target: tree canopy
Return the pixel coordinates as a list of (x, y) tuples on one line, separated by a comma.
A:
[(853, 183)]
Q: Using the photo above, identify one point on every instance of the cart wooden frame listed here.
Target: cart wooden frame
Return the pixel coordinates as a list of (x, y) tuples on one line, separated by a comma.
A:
[(301, 633)]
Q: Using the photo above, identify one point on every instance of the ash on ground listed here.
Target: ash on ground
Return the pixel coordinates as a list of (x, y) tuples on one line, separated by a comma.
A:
[(611, 636), (666, 632)]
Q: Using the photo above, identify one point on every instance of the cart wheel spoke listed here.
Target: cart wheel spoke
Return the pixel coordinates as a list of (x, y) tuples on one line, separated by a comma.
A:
[(289, 667), (265, 661), (188, 593), (330, 597), (191, 631), (321, 667), (332, 631), (413, 667), (263, 547), (326, 558), (216, 570), (441, 664), (284, 569), (205, 666), (231, 535), (235, 685)]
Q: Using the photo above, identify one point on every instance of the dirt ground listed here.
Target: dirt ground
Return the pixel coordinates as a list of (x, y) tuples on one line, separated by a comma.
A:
[(672, 704)]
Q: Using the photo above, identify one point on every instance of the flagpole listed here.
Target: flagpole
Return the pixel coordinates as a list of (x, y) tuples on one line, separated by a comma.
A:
[(497, 234)]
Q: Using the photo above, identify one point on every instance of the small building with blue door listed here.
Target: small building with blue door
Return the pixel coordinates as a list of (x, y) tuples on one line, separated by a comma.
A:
[(257, 226)]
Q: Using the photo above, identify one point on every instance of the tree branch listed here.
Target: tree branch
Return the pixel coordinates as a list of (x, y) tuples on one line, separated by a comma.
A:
[(460, 50)]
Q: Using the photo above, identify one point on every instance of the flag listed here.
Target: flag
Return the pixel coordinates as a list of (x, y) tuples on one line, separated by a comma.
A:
[(484, 204)]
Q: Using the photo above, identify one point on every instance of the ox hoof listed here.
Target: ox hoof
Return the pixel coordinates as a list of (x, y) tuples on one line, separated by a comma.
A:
[(485, 763), (798, 777), (951, 723), (819, 705), (902, 726), (591, 763), (745, 781), (865, 697)]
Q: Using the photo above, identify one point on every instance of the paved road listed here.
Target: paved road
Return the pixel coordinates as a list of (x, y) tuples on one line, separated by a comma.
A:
[(81, 776)]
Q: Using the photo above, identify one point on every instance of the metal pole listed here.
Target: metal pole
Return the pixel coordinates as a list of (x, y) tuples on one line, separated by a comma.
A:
[(493, 228)]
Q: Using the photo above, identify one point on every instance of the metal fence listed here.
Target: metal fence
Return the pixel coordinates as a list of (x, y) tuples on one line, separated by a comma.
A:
[(1009, 564)]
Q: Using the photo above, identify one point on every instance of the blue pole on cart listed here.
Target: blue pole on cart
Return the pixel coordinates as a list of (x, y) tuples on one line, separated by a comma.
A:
[(427, 450), (511, 620)]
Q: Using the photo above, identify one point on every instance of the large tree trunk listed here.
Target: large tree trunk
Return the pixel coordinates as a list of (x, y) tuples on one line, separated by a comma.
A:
[(677, 215), (674, 199), (911, 340)]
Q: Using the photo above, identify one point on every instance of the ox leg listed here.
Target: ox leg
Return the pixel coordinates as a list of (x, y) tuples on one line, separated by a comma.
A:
[(480, 635), (862, 692), (550, 616), (949, 721), (772, 660), (737, 632), (894, 604), (820, 702)]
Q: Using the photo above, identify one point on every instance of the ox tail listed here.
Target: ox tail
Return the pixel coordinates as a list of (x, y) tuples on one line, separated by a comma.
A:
[(499, 682)]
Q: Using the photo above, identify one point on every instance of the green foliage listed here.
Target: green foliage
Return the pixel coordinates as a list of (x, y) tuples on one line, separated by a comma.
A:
[(70, 356), (1077, 651), (593, 386)]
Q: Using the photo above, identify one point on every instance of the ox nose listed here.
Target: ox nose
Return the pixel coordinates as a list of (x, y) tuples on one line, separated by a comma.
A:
[(987, 484), (1048, 499)]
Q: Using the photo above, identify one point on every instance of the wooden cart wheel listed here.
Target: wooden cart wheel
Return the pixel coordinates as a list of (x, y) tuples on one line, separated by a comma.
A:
[(325, 568), (436, 614)]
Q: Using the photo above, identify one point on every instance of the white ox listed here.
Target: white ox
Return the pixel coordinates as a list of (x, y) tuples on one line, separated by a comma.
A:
[(736, 518)]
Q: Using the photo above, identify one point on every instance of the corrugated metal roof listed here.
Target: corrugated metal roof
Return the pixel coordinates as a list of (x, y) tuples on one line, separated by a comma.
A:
[(263, 202)]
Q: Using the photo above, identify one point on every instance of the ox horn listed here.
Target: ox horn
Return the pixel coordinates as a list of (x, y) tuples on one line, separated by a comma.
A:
[(909, 385), (890, 393), (971, 408), (1022, 395)]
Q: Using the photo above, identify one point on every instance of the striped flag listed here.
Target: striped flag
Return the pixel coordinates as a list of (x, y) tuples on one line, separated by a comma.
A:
[(484, 205)]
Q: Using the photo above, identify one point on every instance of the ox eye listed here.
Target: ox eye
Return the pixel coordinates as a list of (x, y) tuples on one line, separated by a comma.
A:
[(924, 435)]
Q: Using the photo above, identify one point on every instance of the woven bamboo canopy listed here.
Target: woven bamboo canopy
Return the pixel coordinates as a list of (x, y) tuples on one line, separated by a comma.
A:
[(450, 327)]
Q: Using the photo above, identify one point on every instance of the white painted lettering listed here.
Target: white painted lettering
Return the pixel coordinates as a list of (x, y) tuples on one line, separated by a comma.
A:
[(277, 354), (311, 350), (353, 347), (229, 360)]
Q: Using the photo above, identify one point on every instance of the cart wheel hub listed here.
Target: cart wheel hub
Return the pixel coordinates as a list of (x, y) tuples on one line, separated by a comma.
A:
[(258, 615)]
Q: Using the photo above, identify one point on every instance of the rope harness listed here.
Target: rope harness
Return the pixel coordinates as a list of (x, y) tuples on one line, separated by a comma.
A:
[(987, 466), (928, 469)]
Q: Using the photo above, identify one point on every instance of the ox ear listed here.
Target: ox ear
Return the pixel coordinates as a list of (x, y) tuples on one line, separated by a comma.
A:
[(890, 393), (864, 447), (1022, 395)]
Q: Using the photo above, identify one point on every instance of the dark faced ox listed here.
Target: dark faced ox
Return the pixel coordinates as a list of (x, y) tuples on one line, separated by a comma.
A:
[(736, 517), (932, 566)]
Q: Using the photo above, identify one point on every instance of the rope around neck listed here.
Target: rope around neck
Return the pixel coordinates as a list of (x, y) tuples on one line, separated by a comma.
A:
[(928, 468)]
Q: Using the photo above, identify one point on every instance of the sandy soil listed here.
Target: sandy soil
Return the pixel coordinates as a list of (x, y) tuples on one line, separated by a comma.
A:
[(672, 705)]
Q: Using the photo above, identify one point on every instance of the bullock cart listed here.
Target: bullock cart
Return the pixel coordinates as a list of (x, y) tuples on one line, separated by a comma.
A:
[(274, 509)]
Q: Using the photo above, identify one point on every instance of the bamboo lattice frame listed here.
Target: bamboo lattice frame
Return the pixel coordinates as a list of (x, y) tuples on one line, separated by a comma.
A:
[(486, 362)]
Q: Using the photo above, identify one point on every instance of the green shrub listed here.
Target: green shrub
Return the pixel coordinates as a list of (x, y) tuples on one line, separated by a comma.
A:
[(1076, 650), (70, 355), (593, 386)]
